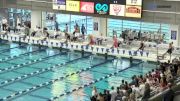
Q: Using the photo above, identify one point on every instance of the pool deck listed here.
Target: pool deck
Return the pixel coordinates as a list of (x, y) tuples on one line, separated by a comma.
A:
[(150, 53)]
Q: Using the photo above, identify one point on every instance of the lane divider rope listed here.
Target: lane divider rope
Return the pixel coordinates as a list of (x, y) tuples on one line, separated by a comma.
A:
[(38, 72), (17, 56), (48, 82), (92, 82), (27, 63)]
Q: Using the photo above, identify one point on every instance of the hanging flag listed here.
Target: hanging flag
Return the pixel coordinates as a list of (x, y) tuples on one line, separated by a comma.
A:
[(147, 53), (118, 51), (107, 50), (130, 53), (135, 52), (87, 47), (62, 44), (141, 52), (123, 51), (92, 48), (112, 50), (97, 49), (102, 49)]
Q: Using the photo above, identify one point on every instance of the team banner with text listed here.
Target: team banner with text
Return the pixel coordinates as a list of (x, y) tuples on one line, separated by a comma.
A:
[(133, 11), (101, 8), (73, 6), (87, 7), (117, 10), (59, 4), (124, 8)]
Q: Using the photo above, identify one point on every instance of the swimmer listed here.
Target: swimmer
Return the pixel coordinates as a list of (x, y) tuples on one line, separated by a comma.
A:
[(115, 42), (170, 49), (142, 46), (92, 41)]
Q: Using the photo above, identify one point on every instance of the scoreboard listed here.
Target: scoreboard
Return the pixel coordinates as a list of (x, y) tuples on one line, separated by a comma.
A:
[(124, 8)]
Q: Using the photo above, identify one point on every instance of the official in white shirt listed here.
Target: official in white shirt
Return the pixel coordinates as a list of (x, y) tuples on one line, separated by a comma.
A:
[(4, 23)]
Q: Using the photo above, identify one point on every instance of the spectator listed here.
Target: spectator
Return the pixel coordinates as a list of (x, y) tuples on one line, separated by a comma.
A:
[(146, 94), (122, 84), (113, 94), (118, 96), (56, 25), (132, 97), (66, 29), (94, 92), (4, 24), (142, 87), (178, 71), (136, 91), (108, 96), (83, 29), (100, 97), (169, 95)]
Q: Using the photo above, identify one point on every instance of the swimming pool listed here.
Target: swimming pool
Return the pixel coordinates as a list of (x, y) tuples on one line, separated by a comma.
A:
[(30, 73)]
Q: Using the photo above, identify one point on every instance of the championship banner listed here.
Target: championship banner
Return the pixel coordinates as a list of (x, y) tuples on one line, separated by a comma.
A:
[(133, 11), (117, 10), (73, 6), (87, 7), (59, 4)]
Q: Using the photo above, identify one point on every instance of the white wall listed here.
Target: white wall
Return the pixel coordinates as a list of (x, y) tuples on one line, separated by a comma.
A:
[(102, 24), (36, 19)]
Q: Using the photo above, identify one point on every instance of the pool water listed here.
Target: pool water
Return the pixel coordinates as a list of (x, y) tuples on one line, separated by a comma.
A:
[(30, 73)]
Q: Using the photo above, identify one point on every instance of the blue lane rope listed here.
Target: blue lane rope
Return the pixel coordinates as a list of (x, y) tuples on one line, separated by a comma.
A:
[(27, 63), (17, 56), (48, 82), (93, 82), (56, 66)]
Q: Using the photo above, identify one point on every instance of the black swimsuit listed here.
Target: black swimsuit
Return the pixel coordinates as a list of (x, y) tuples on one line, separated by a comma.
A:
[(142, 46), (170, 50)]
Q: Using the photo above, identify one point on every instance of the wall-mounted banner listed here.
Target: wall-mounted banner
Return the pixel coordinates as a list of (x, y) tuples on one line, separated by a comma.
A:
[(134, 2), (59, 4), (87, 7), (73, 6), (173, 35), (101, 8), (133, 11), (117, 10)]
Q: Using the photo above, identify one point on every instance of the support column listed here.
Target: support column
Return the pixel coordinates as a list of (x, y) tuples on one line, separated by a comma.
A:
[(100, 26), (36, 19)]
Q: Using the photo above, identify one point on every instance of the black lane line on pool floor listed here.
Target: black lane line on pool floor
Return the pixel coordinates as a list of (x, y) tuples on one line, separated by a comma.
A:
[(28, 63), (7, 49), (49, 82), (18, 56), (43, 70), (93, 82)]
